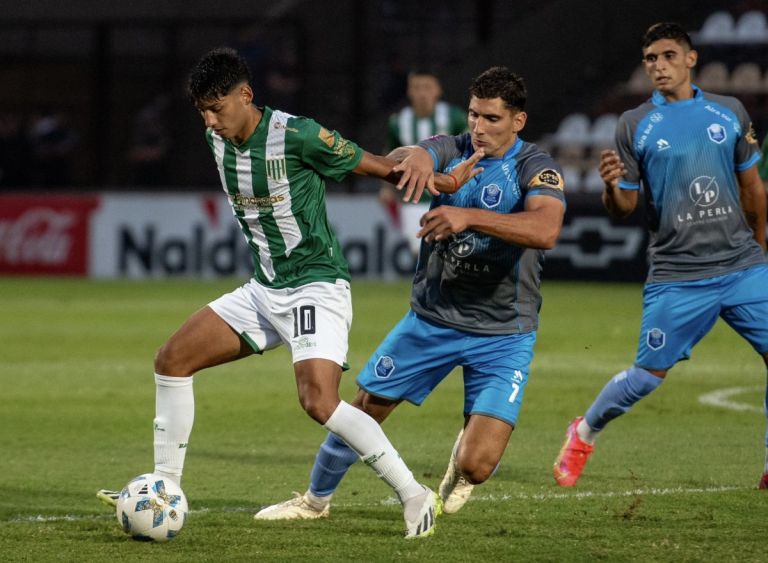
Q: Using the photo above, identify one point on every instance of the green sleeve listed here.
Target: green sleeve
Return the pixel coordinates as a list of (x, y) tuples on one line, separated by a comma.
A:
[(762, 165), (326, 150)]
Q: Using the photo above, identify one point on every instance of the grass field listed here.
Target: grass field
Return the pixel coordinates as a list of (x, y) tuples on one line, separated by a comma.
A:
[(675, 480)]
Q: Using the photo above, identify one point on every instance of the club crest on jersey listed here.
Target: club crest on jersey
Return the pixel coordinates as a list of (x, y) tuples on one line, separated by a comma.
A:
[(716, 133), (656, 117), (276, 168), (491, 195), (385, 366), (656, 339)]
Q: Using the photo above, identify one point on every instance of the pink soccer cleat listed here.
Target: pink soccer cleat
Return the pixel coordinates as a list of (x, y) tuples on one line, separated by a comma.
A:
[(573, 455)]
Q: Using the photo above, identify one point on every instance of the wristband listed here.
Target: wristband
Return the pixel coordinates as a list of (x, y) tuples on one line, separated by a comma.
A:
[(455, 182)]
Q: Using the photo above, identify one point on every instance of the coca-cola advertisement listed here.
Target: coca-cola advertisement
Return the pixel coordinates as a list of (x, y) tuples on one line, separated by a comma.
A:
[(45, 234)]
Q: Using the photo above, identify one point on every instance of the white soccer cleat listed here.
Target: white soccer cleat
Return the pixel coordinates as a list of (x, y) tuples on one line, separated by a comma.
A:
[(425, 522), (454, 489), (108, 497), (297, 508)]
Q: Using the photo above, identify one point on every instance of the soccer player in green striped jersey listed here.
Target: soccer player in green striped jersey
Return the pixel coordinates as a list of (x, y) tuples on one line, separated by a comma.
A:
[(272, 166)]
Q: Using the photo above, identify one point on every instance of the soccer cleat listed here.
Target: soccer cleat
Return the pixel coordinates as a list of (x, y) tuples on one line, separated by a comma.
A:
[(763, 482), (108, 497), (454, 489), (297, 508), (424, 524), (573, 455)]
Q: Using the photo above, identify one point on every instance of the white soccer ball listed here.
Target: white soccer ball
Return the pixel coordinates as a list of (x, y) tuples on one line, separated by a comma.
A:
[(152, 508)]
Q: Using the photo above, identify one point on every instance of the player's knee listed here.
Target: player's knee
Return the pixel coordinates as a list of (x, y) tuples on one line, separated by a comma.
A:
[(169, 362), (476, 471), (317, 408)]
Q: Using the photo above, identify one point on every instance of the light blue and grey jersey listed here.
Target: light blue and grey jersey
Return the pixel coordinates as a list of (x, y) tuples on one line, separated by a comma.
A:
[(473, 281), (686, 154)]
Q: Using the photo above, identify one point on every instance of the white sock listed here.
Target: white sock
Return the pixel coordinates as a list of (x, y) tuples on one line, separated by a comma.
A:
[(586, 433), (174, 415), (317, 501), (364, 435)]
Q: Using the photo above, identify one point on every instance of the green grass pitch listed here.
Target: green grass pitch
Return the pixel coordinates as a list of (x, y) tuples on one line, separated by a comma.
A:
[(674, 480)]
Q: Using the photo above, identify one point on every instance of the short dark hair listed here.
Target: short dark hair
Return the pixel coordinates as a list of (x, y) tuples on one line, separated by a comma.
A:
[(667, 30), (500, 82), (216, 74)]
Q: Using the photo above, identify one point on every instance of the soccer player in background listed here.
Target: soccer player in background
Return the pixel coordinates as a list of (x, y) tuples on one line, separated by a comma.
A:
[(425, 116), (695, 155), (475, 297), (272, 166)]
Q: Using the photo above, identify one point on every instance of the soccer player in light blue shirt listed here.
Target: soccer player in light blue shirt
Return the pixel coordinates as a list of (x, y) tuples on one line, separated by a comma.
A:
[(695, 155), (475, 299)]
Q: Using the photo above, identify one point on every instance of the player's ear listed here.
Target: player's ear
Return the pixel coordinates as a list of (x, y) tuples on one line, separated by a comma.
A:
[(691, 57), (519, 120), (246, 94)]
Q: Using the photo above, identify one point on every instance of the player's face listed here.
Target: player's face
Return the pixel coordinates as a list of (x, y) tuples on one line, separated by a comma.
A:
[(493, 126), (669, 64), (423, 92), (230, 115)]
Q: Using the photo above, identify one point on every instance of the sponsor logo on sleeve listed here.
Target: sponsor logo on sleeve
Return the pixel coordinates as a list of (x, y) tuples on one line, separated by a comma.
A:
[(549, 178), (751, 136), (327, 137)]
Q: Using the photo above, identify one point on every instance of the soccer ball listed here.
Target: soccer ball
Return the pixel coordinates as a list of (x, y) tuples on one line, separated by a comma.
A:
[(152, 508)]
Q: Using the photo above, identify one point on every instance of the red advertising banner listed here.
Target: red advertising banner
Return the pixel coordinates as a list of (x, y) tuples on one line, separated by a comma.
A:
[(43, 234)]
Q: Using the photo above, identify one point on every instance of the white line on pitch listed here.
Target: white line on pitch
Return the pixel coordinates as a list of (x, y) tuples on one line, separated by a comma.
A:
[(40, 519), (722, 399)]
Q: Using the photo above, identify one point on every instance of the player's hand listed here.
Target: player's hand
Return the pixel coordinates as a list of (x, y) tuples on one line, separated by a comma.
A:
[(417, 174), (463, 173), (441, 222), (611, 168)]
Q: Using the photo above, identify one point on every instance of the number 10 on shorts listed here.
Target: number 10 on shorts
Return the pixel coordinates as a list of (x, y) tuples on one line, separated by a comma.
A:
[(303, 320)]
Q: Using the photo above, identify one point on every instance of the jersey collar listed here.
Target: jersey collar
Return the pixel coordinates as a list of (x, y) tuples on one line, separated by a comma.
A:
[(512, 151), (659, 100)]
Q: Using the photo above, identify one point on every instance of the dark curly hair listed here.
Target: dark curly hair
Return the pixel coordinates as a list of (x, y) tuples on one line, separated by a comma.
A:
[(667, 30), (216, 74), (500, 82)]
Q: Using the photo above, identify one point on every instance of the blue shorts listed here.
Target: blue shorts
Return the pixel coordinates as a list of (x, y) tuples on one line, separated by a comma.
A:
[(677, 315), (417, 355)]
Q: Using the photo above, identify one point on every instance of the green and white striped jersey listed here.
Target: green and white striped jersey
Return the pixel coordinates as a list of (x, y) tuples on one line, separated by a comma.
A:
[(274, 181), (405, 128)]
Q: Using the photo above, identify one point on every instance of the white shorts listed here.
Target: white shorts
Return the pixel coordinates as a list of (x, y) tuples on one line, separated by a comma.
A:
[(313, 320), (410, 223)]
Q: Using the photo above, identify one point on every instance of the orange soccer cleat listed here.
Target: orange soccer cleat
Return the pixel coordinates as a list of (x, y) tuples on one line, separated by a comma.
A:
[(573, 455)]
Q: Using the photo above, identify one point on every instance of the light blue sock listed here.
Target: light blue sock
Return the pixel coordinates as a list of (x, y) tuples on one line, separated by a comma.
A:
[(619, 394), (333, 460)]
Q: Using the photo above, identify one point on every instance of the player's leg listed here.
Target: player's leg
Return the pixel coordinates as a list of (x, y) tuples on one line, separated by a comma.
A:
[(333, 460), (495, 376), (204, 340), (675, 317), (745, 308), (317, 383), (315, 323)]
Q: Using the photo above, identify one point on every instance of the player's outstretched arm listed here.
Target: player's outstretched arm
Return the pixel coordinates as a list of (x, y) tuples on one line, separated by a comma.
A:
[(386, 168), (753, 202), (618, 202), (416, 162)]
